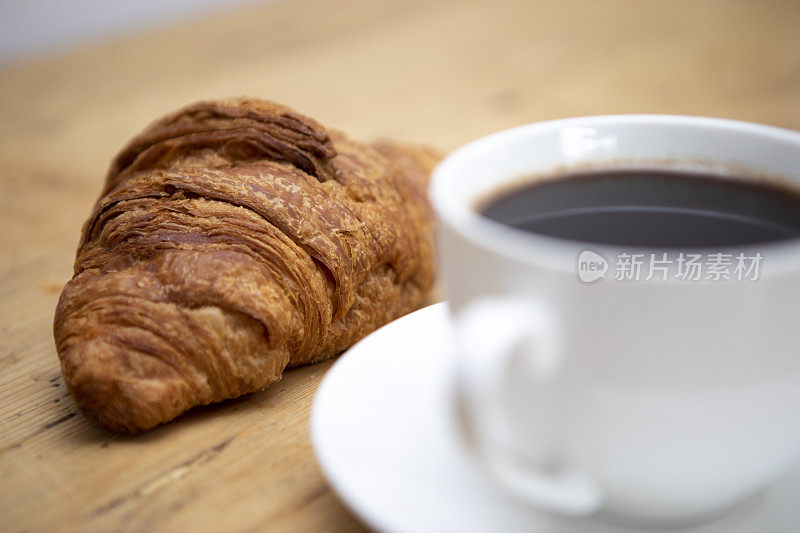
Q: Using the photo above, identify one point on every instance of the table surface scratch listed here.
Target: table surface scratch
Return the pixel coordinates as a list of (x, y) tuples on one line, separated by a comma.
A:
[(439, 71)]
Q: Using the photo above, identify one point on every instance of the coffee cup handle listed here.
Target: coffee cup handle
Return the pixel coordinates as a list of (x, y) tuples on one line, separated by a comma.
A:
[(497, 336)]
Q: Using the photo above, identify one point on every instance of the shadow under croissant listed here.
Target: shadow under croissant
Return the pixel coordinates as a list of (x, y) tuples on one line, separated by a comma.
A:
[(291, 395)]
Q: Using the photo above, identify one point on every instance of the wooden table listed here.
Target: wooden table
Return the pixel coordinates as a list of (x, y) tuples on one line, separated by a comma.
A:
[(437, 71)]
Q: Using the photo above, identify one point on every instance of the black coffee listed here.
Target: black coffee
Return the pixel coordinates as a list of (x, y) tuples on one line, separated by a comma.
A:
[(651, 208)]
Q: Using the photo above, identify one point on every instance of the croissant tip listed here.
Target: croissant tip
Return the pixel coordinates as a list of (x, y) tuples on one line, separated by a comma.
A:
[(107, 393)]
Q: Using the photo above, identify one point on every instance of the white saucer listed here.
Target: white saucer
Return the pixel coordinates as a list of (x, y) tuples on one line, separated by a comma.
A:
[(384, 440)]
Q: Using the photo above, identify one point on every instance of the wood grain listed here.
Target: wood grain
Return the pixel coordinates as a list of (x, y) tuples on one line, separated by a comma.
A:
[(439, 71)]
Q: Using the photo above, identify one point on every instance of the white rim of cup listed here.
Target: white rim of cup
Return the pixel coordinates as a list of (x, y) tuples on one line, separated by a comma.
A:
[(560, 254)]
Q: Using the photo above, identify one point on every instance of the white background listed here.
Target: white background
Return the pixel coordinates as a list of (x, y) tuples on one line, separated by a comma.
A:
[(35, 27)]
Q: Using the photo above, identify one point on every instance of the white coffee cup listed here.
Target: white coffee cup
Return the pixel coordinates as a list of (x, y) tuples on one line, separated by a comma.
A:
[(656, 401)]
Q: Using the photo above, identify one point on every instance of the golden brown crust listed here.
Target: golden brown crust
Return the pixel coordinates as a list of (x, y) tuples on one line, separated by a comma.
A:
[(232, 239)]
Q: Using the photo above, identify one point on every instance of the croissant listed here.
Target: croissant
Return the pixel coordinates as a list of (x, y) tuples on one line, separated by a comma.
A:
[(233, 239)]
